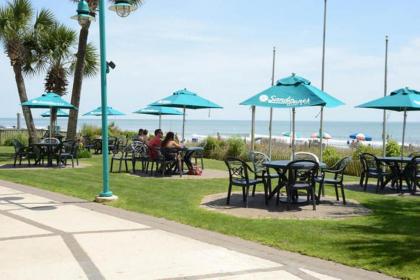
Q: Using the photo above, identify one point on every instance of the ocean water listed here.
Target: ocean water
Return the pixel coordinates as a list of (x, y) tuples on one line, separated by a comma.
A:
[(338, 130)]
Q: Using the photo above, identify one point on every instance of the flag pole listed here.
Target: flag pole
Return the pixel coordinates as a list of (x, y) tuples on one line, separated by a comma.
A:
[(321, 128), (270, 126), (385, 92)]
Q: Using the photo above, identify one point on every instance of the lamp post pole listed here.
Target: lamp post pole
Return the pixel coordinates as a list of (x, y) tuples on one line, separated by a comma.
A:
[(106, 193), (123, 8), (321, 126)]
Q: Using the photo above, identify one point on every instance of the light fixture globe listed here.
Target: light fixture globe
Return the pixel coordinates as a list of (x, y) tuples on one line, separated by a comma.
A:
[(123, 7), (84, 15)]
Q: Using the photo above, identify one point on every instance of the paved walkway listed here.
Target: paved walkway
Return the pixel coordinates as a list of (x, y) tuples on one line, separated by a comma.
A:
[(45, 235)]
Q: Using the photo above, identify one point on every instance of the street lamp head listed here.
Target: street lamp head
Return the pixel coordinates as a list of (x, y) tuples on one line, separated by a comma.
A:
[(123, 7), (84, 15)]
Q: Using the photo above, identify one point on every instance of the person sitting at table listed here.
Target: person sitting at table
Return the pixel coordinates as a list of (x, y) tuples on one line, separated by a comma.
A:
[(169, 141), (155, 143), (139, 134), (145, 135)]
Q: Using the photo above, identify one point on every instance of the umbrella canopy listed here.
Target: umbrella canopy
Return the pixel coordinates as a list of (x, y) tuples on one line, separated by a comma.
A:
[(158, 111), (325, 135), (292, 92), (360, 136), (60, 114), (48, 100), (400, 100), (51, 101), (289, 134), (109, 110), (185, 99)]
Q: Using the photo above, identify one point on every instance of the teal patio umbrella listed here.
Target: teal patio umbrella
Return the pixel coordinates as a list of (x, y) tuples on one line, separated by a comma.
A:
[(109, 110), (185, 99), (400, 100), (159, 111), (291, 92), (49, 100), (60, 114)]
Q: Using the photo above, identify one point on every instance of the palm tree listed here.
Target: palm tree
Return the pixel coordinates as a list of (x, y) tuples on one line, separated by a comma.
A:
[(80, 65), (58, 46), (20, 33)]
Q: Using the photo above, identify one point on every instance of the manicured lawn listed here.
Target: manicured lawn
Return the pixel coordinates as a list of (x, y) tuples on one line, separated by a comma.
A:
[(386, 241)]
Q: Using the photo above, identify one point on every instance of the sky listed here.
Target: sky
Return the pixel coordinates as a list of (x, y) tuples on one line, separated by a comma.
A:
[(222, 49)]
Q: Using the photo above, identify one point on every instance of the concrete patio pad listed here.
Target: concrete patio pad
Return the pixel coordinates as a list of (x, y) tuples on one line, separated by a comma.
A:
[(68, 238)]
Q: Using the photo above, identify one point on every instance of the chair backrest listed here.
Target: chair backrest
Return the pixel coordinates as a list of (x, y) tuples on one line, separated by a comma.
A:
[(306, 156), (302, 172), (50, 141), (414, 154), (17, 145), (415, 162), (342, 164), (258, 159), (69, 146), (369, 162), (238, 169)]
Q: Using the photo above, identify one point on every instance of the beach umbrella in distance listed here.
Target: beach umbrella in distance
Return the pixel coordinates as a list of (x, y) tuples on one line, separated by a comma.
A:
[(400, 100), (185, 99), (289, 134), (60, 114), (159, 111), (48, 100), (292, 92), (360, 136), (325, 135), (109, 110)]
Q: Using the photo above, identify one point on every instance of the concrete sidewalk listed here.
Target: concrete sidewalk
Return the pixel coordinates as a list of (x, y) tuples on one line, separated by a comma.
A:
[(44, 235)]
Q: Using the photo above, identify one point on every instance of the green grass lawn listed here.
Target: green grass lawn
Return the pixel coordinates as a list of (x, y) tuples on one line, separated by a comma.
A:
[(386, 241)]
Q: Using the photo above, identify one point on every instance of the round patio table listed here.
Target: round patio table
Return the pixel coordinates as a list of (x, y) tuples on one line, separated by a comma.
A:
[(397, 169), (280, 166)]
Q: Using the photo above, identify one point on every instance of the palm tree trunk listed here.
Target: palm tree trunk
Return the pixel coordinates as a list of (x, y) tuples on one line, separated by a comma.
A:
[(77, 82), (20, 82)]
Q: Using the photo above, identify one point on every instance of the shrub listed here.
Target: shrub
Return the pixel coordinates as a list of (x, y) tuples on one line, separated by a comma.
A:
[(331, 156), (365, 149), (235, 147), (210, 145), (84, 153), (21, 137), (392, 149), (90, 130)]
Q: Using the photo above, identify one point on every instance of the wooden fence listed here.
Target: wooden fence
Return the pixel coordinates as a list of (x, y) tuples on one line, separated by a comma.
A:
[(7, 133)]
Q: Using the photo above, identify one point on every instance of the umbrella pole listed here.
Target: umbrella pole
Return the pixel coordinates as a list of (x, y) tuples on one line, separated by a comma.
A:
[(253, 129), (403, 136), (270, 126), (293, 132), (270, 131), (321, 133), (385, 90), (183, 125), (322, 80), (51, 121), (160, 121)]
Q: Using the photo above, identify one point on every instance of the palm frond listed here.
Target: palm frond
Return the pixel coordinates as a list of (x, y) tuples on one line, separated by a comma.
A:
[(44, 19), (91, 61)]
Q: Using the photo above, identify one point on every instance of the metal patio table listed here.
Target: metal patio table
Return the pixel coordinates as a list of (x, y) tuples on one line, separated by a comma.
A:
[(280, 166)]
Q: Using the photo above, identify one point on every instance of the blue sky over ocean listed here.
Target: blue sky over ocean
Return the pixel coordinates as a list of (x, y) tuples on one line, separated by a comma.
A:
[(222, 49)]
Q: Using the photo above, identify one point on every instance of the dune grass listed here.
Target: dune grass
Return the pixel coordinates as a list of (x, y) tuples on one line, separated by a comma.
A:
[(387, 241)]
